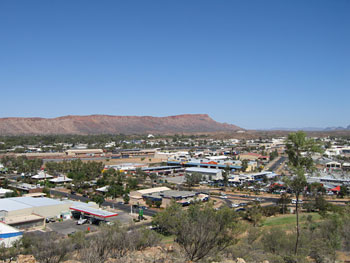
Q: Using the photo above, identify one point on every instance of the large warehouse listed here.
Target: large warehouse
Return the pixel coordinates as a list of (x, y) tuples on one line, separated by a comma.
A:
[(214, 174)]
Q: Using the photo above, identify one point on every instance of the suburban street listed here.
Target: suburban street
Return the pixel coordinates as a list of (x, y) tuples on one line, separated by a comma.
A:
[(276, 165), (115, 205)]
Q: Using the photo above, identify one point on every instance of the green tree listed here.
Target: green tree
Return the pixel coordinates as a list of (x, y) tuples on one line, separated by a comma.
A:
[(299, 150), (132, 183), (126, 198), (273, 155), (244, 165), (200, 230), (149, 202), (158, 203), (98, 199), (225, 175), (283, 201), (193, 179), (254, 214), (343, 191), (316, 189), (115, 190)]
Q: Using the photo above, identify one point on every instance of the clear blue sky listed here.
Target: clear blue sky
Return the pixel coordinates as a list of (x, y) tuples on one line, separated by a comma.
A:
[(257, 64)]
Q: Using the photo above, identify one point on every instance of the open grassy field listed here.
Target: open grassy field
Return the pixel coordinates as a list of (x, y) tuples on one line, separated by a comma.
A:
[(287, 220)]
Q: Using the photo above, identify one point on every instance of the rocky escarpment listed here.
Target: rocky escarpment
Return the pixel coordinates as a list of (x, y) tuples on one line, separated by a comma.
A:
[(106, 124)]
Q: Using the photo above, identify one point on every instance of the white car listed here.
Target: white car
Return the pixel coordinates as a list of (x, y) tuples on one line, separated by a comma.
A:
[(223, 196), (234, 205), (294, 201), (81, 221)]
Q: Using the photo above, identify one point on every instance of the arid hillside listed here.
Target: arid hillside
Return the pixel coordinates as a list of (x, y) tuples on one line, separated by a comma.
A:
[(106, 124)]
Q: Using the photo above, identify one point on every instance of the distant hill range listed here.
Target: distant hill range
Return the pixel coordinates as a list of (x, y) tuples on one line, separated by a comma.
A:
[(312, 129), (106, 124)]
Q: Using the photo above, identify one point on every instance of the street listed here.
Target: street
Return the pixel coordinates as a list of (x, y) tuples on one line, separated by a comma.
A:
[(278, 163), (115, 205)]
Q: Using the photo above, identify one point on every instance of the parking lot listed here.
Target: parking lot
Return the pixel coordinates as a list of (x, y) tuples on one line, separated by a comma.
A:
[(69, 226)]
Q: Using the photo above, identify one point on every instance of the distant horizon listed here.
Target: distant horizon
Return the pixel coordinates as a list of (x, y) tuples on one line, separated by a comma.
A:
[(254, 64), (308, 128)]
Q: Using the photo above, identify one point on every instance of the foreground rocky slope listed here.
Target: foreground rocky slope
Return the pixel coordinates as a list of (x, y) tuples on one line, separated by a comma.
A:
[(105, 124)]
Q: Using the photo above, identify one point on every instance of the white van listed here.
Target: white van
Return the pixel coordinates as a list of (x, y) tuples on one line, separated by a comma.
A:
[(294, 201)]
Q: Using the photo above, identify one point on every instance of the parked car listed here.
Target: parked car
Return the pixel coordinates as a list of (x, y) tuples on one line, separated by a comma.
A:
[(50, 219), (234, 205), (82, 221), (294, 201)]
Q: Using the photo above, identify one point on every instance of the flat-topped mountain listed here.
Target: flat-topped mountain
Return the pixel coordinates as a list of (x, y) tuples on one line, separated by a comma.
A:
[(106, 124)]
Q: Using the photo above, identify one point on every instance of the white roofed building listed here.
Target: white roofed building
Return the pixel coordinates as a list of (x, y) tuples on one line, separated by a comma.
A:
[(208, 173), (137, 195), (9, 235), (42, 176), (27, 212), (60, 180)]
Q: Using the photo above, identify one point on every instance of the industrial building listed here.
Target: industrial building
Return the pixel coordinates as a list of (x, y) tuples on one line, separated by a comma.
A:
[(136, 196), (163, 170), (165, 195), (125, 166), (26, 188), (28, 212), (8, 235), (84, 152), (207, 163), (209, 174), (181, 197)]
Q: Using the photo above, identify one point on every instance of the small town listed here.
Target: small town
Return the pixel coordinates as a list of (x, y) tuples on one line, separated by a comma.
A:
[(70, 190), (187, 131)]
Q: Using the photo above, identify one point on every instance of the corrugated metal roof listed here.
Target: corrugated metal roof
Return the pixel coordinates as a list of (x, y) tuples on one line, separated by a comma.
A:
[(178, 194), (153, 190), (60, 179), (202, 170), (159, 168), (10, 205), (42, 175), (18, 203)]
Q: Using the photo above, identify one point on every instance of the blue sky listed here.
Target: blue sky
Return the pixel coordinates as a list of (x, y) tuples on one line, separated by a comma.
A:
[(257, 64)]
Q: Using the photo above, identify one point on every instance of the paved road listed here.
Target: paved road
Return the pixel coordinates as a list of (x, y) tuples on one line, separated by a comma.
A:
[(278, 163), (122, 207), (230, 201)]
